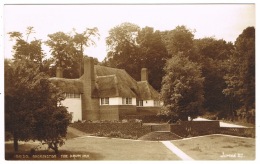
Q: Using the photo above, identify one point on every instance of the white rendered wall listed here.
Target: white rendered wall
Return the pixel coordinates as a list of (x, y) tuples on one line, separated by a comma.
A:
[(118, 101), (148, 103), (73, 106)]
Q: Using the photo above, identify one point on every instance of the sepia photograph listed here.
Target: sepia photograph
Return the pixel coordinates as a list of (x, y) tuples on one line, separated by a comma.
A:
[(129, 82)]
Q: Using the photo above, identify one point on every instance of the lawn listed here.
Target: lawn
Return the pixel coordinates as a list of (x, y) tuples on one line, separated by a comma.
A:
[(212, 147), (92, 148), (217, 147), (118, 149)]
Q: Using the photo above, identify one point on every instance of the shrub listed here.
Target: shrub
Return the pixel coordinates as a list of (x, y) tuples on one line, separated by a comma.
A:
[(114, 134)]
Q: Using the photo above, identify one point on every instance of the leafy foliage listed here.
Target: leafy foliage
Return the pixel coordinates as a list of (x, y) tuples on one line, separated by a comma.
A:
[(213, 55), (67, 51), (153, 55), (182, 88), (84, 39), (122, 46), (64, 54), (178, 40), (33, 109), (25, 50), (132, 48), (19, 84), (240, 78)]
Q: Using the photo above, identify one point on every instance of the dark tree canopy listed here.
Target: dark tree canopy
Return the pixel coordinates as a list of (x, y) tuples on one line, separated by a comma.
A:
[(25, 50), (132, 49), (240, 78), (213, 55), (122, 47), (33, 109), (68, 50), (182, 88), (178, 40), (152, 55), (84, 40)]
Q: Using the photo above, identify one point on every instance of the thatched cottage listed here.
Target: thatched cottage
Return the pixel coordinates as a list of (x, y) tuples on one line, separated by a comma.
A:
[(104, 93)]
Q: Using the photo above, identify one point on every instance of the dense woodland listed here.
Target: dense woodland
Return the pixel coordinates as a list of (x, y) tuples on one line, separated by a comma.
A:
[(195, 77)]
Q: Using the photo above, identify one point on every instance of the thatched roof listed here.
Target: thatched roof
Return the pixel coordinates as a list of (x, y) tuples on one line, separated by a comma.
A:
[(68, 85), (106, 86), (146, 91), (112, 82)]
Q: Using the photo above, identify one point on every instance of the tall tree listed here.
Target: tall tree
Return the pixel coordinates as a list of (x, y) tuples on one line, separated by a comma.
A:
[(132, 48), (31, 110), (213, 54), (152, 55), (20, 79), (64, 54), (178, 40), (122, 47), (182, 88), (84, 39), (31, 98), (18, 118), (23, 49), (51, 117), (67, 50), (240, 78)]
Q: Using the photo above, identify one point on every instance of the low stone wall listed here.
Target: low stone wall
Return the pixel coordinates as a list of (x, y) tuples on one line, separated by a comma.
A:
[(197, 128), (147, 115), (194, 128), (160, 127), (129, 128), (243, 132), (145, 118)]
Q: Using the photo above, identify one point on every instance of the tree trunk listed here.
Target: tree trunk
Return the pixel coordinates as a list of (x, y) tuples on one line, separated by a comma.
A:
[(56, 151), (54, 146), (15, 143)]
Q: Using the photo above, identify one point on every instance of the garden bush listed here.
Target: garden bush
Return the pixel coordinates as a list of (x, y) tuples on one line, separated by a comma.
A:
[(115, 134)]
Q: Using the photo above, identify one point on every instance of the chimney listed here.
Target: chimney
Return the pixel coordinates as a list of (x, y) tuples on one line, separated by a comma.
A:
[(144, 74), (89, 72), (89, 104), (59, 72)]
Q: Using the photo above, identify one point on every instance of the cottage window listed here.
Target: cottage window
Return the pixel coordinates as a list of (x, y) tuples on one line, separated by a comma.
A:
[(72, 95), (140, 103), (105, 101), (127, 101)]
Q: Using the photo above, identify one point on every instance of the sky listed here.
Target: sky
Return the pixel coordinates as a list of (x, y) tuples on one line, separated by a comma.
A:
[(222, 21)]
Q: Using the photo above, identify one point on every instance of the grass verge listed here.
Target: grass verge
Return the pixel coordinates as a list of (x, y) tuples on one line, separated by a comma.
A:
[(218, 147)]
